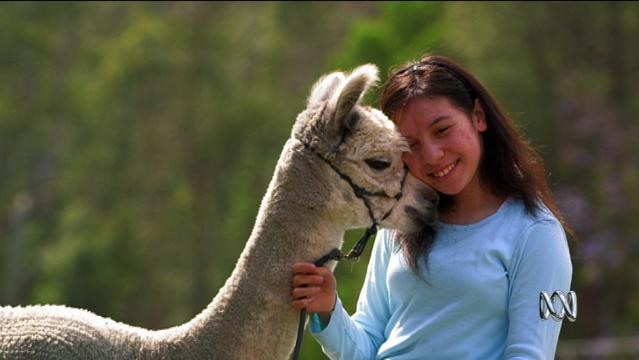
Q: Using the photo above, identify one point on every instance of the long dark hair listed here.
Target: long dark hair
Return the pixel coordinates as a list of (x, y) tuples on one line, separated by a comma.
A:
[(509, 167)]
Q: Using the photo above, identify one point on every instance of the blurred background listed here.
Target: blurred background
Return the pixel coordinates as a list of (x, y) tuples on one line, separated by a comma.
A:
[(137, 139)]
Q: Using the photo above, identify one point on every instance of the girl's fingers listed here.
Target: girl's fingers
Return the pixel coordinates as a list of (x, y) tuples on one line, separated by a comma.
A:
[(300, 304), (304, 268), (306, 280), (323, 271), (302, 292), (313, 288)]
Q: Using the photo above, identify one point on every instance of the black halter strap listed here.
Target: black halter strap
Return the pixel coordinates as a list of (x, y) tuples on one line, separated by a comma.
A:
[(359, 247), (359, 191)]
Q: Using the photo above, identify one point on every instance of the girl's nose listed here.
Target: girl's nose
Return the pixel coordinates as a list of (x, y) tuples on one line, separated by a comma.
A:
[(432, 154)]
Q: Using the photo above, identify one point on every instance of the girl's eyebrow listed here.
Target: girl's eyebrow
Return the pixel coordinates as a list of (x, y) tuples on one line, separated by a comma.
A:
[(438, 119)]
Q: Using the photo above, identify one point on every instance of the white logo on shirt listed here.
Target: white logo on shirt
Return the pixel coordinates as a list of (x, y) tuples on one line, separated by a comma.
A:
[(568, 308)]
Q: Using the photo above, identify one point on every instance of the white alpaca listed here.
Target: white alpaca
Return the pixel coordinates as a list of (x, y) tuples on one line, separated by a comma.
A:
[(303, 216)]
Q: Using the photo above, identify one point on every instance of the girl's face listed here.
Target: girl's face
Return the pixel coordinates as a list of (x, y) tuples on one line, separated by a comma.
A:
[(445, 142)]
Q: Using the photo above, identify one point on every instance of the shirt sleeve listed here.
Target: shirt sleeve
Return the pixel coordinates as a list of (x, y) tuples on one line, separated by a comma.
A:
[(360, 336), (541, 262)]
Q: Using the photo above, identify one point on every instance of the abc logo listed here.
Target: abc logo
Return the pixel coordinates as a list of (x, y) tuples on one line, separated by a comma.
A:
[(558, 305)]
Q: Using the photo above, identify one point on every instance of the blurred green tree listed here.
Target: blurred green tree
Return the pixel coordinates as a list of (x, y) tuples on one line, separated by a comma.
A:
[(137, 139)]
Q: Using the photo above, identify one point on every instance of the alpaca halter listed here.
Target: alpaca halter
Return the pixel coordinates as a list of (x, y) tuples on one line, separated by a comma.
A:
[(358, 248), (359, 191)]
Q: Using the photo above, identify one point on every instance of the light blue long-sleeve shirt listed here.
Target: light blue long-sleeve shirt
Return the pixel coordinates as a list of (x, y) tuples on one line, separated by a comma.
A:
[(478, 299)]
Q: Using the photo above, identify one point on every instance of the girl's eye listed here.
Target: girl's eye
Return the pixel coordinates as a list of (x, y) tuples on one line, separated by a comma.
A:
[(442, 130), (377, 164)]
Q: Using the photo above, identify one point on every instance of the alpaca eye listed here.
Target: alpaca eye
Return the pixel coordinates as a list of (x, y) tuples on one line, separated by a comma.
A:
[(376, 164)]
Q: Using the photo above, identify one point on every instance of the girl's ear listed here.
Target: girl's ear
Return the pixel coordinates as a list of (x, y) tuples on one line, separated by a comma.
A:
[(479, 117)]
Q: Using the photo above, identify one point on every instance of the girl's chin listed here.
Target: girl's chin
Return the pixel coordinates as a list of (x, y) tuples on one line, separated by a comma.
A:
[(448, 193), (443, 186), (447, 189)]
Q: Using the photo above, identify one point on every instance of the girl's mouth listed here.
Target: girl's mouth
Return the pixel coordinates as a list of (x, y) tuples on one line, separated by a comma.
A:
[(445, 171)]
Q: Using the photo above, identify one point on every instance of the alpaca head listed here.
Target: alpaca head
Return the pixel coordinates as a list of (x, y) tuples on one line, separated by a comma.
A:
[(362, 145)]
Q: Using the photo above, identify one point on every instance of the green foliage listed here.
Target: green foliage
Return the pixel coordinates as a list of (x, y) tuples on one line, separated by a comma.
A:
[(137, 139), (402, 32)]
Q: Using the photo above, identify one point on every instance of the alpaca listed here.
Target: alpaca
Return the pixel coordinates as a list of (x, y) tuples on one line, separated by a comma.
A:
[(303, 215)]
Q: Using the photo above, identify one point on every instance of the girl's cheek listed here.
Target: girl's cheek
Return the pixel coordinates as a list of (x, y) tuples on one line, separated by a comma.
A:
[(408, 159), (415, 167), (412, 161)]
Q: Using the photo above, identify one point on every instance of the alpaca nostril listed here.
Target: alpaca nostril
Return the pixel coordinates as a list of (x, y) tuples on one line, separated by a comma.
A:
[(412, 213), (421, 217), (431, 215), (430, 196), (428, 216)]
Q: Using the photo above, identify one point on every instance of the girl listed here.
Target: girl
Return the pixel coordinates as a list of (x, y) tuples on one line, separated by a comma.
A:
[(472, 292)]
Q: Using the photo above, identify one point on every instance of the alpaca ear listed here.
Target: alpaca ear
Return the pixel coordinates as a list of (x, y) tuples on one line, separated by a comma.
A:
[(325, 87), (346, 97)]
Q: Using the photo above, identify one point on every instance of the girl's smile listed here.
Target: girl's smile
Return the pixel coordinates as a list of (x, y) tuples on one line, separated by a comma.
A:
[(444, 172)]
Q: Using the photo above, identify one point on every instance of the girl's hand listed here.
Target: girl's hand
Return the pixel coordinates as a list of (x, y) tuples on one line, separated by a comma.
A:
[(313, 289)]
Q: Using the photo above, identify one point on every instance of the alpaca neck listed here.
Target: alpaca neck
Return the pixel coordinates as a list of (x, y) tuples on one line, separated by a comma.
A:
[(253, 308)]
